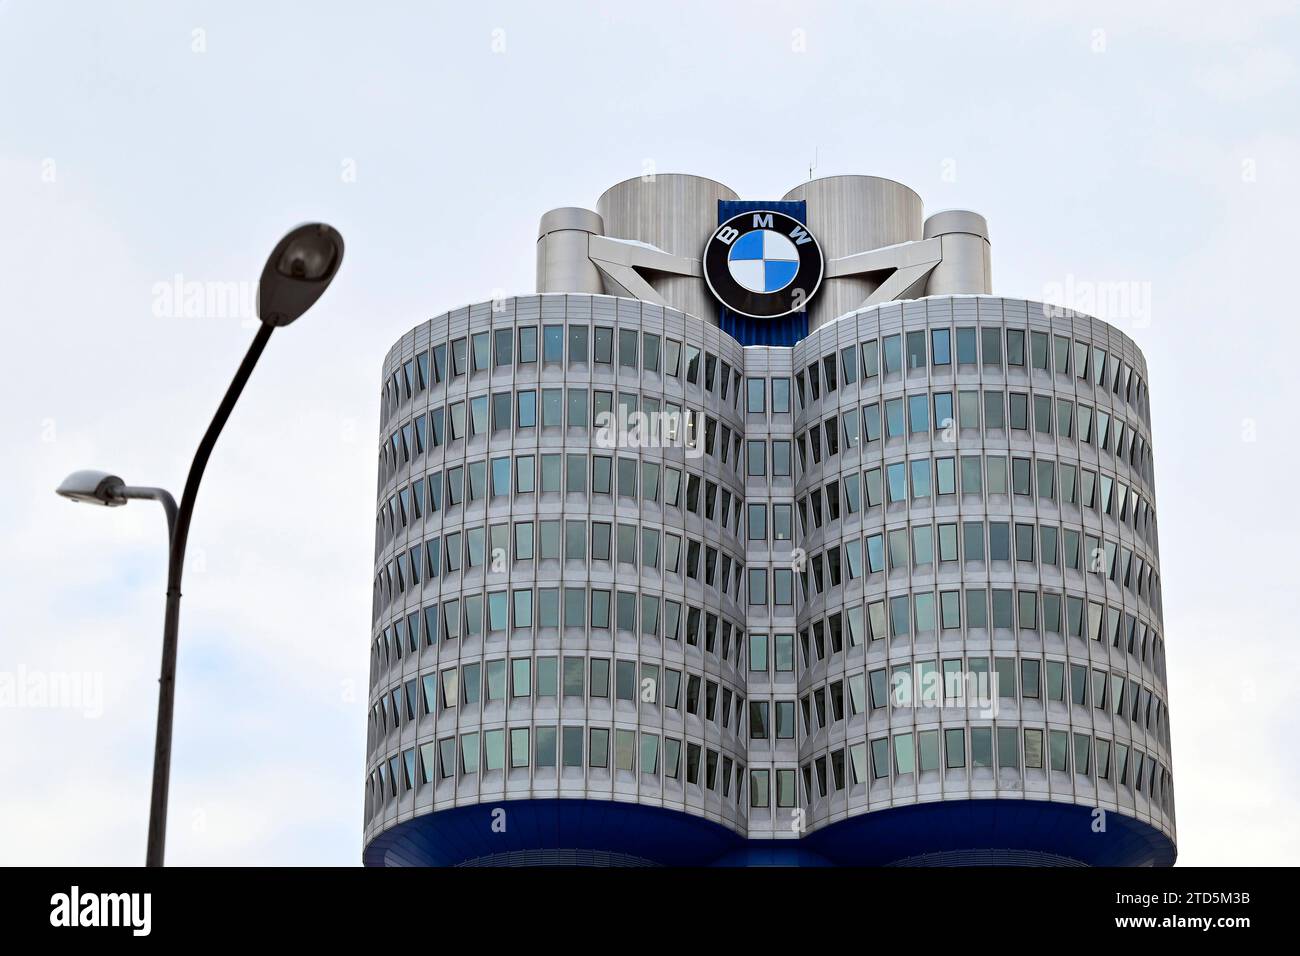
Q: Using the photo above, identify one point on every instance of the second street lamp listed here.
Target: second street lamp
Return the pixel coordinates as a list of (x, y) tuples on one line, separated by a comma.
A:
[(297, 273)]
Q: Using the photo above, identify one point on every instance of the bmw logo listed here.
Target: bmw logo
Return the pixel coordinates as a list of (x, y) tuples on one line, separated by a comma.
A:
[(763, 264)]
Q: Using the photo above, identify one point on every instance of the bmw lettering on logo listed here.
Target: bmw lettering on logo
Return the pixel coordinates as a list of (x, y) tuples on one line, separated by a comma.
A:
[(763, 264)]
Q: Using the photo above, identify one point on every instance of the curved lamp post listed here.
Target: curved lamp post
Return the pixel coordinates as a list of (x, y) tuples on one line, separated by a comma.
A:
[(299, 270)]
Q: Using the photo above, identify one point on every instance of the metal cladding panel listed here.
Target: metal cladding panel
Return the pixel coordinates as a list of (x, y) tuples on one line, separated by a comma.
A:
[(788, 329)]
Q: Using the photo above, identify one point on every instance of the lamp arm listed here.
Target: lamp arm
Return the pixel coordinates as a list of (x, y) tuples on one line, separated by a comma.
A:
[(160, 495)]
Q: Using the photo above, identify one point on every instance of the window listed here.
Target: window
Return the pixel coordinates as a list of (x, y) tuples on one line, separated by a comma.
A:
[(870, 359), (785, 719), (573, 676), (915, 350), (784, 652), (991, 347), (780, 396), (966, 346), (1008, 749), (553, 343), (893, 349), (880, 758), (1038, 350), (871, 422), (528, 345), (781, 458), (547, 675), (577, 344), (650, 753), (480, 351), (894, 427), (1082, 753), (782, 522), (672, 357), (603, 350), (520, 677), (1019, 411), (1016, 347), (848, 365), (1058, 747), (601, 475), (496, 680), (940, 347), (918, 414), (995, 411), (1033, 749), (526, 413), (904, 755), (469, 755), (692, 365), (920, 468), (954, 745), (598, 748), (627, 348), (625, 681), (502, 347)]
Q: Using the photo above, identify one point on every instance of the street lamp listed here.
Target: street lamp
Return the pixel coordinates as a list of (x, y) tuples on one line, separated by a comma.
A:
[(101, 488), (297, 273)]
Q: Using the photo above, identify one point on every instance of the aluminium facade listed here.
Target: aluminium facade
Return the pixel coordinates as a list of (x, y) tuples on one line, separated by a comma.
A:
[(764, 533)]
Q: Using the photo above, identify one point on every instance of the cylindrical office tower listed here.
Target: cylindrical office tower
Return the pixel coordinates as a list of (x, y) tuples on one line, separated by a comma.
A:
[(646, 595), (982, 670)]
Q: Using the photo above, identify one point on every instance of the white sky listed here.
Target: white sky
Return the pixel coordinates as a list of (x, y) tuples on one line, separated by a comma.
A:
[(1156, 144)]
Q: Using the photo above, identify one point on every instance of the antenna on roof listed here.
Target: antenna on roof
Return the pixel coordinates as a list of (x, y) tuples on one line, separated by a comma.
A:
[(814, 163)]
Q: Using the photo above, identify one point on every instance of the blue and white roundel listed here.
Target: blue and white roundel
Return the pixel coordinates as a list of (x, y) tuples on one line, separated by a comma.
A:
[(762, 264), (763, 261)]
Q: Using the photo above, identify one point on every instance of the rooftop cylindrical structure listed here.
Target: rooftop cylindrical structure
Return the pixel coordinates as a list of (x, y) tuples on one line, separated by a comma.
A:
[(854, 214), (965, 268), (672, 212), (563, 254)]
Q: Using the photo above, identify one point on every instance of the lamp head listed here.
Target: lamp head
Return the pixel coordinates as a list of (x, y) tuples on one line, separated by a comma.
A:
[(298, 272), (94, 488)]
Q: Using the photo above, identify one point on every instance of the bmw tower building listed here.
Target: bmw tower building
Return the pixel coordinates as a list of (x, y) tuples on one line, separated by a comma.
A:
[(763, 532)]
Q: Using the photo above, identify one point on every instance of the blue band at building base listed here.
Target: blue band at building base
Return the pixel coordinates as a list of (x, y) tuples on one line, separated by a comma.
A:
[(612, 833)]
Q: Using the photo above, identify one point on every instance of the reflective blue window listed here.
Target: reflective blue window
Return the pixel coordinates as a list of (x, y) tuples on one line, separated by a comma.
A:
[(918, 413), (894, 427), (896, 479), (940, 347), (527, 412), (943, 417), (893, 348), (966, 349)]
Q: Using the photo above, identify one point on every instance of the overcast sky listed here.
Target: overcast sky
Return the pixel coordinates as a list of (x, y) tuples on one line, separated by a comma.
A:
[(1154, 145)]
